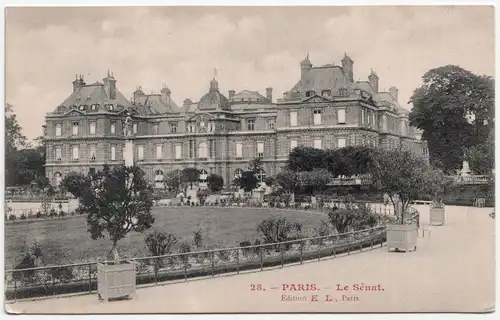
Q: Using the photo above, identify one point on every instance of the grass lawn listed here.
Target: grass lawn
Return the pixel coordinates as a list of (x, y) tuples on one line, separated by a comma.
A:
[(67, 241)]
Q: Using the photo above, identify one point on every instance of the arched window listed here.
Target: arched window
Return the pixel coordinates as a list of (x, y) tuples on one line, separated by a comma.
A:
[(159, 179), (211, 126), (310, 93), (261, 175), (326, 93), (203, 178), (57, 179), (203, 150), (238, 173)]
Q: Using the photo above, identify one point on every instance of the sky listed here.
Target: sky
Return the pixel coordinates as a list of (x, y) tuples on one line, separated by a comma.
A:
[(251, 48)]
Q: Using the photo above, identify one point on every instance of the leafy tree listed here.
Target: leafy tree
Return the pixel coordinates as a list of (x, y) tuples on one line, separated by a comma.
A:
[(173, 180), (270, 181), (399, 174), (481, 157), (438, 184), (190, 176), (215, 182), (314, 181), (248, 181), (448, 95), (355, 216), (76, 183), (305, 159), (288, 184), (118, 201), (255, 165)]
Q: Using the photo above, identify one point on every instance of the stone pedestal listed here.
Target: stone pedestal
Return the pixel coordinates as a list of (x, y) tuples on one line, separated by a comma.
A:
[(128, 153)]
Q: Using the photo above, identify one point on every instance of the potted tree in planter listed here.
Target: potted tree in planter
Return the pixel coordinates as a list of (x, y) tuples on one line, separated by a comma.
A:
[(438, 183), (399, 175), (117, 201)]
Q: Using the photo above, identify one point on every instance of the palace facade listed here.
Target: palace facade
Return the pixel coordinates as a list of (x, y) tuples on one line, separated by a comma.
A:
[(326, 108)]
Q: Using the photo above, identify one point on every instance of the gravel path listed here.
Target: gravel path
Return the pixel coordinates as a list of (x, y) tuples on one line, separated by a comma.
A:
[(452, 271)]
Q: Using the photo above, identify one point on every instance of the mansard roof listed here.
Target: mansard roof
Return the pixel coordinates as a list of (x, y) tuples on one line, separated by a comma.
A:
[(156, 104), (94, 93)]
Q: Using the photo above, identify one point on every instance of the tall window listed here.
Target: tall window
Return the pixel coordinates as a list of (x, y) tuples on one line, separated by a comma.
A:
[(58, 153), (293, 118), (140, 152), (271, 124), (58, 130), (203, 150), (211, 126), (75, 128), (92, 125), (317, 144), (250, 124), (211, 148), (362, 116), (260, 149), (261, 175), (134, 128), (178, 151), (239, 150), (341, 142), (191, 148), (92, 153), (374, 116), (113, 153), (238, 173), (155, 128), (317, 117), (341, 116), (113, 128), (190, 127), (159, 151), (159, 181), (75, 153), (57, 179), (293, 144), (173, 127)]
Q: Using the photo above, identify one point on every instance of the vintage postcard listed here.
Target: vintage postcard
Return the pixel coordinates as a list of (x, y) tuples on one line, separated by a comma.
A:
[(180, 159)]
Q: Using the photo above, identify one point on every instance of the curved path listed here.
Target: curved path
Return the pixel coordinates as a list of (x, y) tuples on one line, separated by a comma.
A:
[(453, 270)]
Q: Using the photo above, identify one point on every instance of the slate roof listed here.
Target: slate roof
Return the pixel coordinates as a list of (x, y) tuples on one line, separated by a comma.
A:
[(328, 77), (247, 95), (155, 104), (95, 93)]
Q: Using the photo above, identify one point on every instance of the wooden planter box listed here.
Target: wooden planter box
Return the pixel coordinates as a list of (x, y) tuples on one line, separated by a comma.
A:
[(437, 216), (402, 237), (116, 280)]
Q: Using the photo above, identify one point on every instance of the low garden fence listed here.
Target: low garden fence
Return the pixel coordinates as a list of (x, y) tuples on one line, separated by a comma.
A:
[(82, 277)]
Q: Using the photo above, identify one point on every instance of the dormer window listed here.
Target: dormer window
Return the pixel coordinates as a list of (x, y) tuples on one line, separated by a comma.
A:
[(326, 93), (94, 107), (83, 107), (111, 107), (310, 93), (343, 92)]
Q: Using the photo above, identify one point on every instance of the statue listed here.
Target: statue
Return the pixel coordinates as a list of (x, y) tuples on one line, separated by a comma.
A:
[(127, 127)]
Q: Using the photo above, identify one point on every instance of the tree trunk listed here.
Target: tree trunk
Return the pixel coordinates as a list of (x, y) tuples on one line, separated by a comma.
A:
[(114, 253)]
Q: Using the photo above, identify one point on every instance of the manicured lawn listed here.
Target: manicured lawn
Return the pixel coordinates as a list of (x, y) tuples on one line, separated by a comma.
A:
[(67, 241)]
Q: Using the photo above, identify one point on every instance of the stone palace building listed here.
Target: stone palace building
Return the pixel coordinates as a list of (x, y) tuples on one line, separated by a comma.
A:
[(220, 134)]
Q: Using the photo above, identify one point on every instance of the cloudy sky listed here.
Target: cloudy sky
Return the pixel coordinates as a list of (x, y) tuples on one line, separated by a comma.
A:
[(251, 47)]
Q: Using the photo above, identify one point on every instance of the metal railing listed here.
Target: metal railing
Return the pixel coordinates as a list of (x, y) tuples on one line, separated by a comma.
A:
[(82, 277)]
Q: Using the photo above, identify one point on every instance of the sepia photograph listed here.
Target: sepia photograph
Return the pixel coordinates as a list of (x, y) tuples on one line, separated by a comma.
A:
[(249, 159)]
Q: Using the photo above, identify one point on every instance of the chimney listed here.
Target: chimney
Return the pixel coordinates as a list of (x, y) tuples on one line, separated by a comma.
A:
[(137, 94), (269, 94), (78, 83), (165, 95), (373, 79), (305, 66), (394, 92), (231, 94), (347, 66), (110, 86)]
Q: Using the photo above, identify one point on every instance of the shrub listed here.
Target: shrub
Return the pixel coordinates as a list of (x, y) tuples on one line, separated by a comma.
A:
[(62, 214), (53, 213), (223, 255), (12, 217), (159, 244), (198, 238), (22, 216), (244, 250), (275, 229), (38, 215), (184, 247)]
